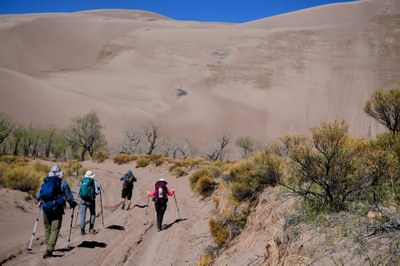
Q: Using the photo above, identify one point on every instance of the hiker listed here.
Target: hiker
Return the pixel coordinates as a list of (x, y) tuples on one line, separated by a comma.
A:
[(87, 191), (127, 186), (160, 195), (51, 198)]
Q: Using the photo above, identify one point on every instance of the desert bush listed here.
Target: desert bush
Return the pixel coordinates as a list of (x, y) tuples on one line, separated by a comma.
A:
[(157, 158), (142, 161), (123, 158), (218, 232), (177, 171), (40, 167), (24, 178), (205, 185), (330, 166), (205, 259), (72, 168), (13, 159), (210, 171), (100, 156)]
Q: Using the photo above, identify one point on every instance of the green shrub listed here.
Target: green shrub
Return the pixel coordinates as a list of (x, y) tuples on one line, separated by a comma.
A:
[(100, 156)]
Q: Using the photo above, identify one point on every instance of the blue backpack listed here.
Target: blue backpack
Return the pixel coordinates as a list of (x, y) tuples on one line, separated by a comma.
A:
[(51, 194)]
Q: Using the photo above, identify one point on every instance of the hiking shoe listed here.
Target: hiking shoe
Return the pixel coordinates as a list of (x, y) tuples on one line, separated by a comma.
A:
[(93, 232), (47, 254), (83, 232), (123, 206)]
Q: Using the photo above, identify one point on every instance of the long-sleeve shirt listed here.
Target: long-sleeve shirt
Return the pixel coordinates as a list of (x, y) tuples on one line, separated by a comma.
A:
[(97, 188)]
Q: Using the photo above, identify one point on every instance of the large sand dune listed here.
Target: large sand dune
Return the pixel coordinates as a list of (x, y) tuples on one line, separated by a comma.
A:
[(198, 80)]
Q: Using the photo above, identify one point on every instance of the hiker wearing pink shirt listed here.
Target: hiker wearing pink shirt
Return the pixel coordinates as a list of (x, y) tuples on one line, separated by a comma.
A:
[(160, 195)]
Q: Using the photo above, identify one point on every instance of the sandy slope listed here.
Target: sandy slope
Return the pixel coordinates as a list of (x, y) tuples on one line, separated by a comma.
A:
[(138, 244), (198, 80)]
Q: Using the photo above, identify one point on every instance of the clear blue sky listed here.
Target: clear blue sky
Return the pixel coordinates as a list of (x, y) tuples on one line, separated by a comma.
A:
[(236, 11)]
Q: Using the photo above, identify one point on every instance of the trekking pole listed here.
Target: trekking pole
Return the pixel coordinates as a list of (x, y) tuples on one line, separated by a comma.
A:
[(70, 227), (34, 229), (77, 215), (177, 207), (101, 205), (147, 204)]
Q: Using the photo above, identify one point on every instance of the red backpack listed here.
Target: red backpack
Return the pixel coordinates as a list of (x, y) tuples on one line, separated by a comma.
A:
[(161, 192)]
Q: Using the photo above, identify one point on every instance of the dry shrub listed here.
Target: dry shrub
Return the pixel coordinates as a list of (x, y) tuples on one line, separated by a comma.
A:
[(123, 158), (157, 158), (142, 161), (219, 234), (40, 167), (206, 259), (100, 156), (177, 171), (23, 178), (205, 185), (73, 169), (196, 176)]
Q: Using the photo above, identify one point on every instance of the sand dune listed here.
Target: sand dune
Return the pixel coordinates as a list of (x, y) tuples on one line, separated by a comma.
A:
[(281, 74)]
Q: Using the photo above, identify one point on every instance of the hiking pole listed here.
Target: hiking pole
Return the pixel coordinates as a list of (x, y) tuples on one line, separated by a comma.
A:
[(147, 204), (177, 207), (70, 227), (77, 215), (34, 229), (101, 205)]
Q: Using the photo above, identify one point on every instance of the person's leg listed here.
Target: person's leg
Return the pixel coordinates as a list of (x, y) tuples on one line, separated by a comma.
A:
[(92, 209), (56, 223), (129, 197), (83, 208), (123, 197), (47, 226), (160, 209)]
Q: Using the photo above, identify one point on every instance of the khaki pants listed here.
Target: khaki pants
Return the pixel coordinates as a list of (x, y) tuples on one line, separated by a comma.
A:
[(52, 224)]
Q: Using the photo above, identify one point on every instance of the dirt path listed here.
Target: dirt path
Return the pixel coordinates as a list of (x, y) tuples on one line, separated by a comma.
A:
[(129, 237)]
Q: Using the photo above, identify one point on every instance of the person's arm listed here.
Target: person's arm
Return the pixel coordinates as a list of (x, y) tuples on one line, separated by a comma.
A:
[(134, 179), (122, 178), (151, 193), (97, 189), (38, 196), (67, 193), (170, 192)]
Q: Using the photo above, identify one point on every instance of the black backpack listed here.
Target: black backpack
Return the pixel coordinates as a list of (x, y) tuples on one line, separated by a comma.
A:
[(128, 181)]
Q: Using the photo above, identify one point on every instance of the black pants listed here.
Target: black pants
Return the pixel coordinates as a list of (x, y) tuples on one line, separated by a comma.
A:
[(160, 209)]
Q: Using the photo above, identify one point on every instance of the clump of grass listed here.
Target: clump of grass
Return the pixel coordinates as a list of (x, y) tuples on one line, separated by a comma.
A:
[(23, 178), (206, 259), (124, 158), (100, 156), (157, 158), (142, 161), (218, 232), (205, 185)]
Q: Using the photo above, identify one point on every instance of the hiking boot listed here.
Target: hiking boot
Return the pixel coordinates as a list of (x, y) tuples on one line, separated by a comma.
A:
[(91, 229), (129, 206), (47, 254), (123, 206), (83, 232)]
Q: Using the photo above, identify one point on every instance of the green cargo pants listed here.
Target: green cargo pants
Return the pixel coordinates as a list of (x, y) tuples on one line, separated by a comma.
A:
[(52, 225)]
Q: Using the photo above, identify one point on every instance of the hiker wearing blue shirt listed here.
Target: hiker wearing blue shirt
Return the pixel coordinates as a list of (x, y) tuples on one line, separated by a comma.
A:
[(51, 198), (88, 190), (127, 188)]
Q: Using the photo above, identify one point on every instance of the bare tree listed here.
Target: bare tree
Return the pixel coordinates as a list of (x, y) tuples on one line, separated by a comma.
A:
[(153, 134), (218, 150), (85, 133), (6, 127)]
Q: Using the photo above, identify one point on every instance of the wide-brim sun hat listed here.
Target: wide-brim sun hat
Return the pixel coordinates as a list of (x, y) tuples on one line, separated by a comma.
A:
[(162, 179), (89, 174)]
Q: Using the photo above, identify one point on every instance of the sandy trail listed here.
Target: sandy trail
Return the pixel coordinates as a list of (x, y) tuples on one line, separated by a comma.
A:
[(128, 237)]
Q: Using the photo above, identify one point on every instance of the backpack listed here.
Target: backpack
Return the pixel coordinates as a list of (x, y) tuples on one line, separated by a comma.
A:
[(86, 190), (160, 197), (128, 181), (51, 194)]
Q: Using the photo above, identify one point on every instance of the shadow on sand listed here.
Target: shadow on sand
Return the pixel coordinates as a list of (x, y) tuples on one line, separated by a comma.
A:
[(92, 244), (166, 226), (115, 227)]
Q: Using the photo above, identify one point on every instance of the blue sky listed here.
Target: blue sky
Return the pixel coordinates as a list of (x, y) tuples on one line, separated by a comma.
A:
[(236, 11)]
